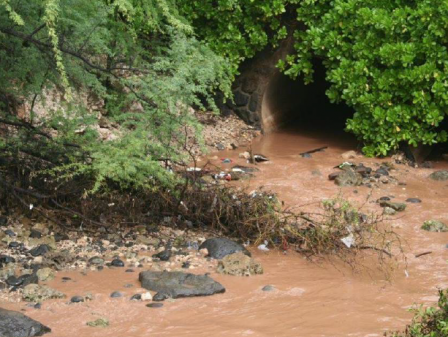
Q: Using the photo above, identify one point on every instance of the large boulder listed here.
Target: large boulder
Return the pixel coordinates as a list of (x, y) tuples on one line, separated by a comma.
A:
[(16, 324), (441, 175), (219, 247), (177, 284), (239, 264)]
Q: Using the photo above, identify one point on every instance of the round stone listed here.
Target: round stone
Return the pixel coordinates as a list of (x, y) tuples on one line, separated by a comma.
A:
[(136, 297), (13, 281), (413, 200), (117, 263), (77, 299), (116, 294), (268, 288)]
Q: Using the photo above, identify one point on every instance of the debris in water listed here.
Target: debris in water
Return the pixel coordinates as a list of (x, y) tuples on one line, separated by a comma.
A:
[(307, 154)]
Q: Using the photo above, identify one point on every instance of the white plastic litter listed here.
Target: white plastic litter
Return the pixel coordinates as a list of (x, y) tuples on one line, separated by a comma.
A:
[(31, 206), (264, 247), (349, 240)]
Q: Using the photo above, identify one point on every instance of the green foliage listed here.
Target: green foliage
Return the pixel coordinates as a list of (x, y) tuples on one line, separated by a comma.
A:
[(429, 322), (137, 59), (386, 59), (238, 29)]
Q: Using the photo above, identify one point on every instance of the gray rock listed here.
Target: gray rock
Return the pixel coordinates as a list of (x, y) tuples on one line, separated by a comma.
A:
[(238, 264), (77, 299), (37, 293), (178, 284), (164, 255), (397, 206), (348, 177), (116, 294), (441, 175), (434, 226), (220, 247), (268, 288), (16, 324)]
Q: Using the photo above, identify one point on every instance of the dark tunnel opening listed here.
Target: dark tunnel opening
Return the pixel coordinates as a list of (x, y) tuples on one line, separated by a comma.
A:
[(291, 104)]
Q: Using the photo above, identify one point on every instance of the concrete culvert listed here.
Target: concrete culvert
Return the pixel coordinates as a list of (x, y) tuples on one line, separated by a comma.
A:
[(291, 103)]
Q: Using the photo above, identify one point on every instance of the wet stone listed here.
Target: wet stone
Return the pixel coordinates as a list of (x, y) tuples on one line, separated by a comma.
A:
[(163, 255), (129, 271), (136, 297), (10, 233), (128, 285), (35, 234), (16, 324), (160, 297), (13, 281), (154, 305), (179, 284), (382, 171), (116, 294), (268, 288), (117, 263), (66, 279), (14, 244), (5, 259), (397, 206), (413, 200), (39, 250), (77, 299), (220, 247)]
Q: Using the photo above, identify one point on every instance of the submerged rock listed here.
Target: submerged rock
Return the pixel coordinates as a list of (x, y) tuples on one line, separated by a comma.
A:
[(220, 247), (179, 284), (99, 323), (397, 206), (239, 264), (37, 293), (434, 226), (16, 324), (441, 175)]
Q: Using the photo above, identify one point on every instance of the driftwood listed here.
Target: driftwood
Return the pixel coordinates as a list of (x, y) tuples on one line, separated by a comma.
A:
[(320, 149)]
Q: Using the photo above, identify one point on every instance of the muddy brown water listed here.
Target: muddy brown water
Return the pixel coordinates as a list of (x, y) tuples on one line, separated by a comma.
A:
[(310, 299)]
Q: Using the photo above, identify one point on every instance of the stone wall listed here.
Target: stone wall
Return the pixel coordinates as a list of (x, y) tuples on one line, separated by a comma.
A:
[(251, 85)]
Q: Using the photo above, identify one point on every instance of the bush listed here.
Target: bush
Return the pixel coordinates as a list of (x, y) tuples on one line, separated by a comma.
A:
[(139, 62), (429, 322)]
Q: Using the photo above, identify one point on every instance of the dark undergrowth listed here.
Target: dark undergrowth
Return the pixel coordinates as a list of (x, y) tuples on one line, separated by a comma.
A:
[(334, 228)]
